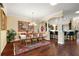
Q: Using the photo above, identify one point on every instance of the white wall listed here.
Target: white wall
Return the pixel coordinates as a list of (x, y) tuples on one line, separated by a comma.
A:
[(75, 23)]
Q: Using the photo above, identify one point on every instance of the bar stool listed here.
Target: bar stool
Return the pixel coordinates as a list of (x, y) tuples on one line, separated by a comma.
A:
[(65, 35), (56, 35), (70, 35)]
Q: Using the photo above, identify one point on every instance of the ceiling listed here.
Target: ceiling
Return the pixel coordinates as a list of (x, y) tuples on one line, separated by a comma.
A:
[(37, 11)]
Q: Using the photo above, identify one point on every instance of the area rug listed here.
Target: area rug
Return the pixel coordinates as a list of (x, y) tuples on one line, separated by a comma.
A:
[(18, 49)]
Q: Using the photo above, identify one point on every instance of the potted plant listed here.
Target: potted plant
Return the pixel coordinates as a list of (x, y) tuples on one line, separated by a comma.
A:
[(10, 35)]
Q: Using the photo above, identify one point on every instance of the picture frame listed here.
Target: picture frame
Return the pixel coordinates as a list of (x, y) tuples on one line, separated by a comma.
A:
[(23, 26)]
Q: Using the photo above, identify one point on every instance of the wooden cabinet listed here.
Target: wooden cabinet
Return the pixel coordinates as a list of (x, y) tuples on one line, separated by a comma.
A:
[(3, 27), (3, 20)]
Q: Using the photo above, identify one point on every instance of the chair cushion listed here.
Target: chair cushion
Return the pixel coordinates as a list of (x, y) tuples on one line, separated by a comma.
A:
[(22, 36)]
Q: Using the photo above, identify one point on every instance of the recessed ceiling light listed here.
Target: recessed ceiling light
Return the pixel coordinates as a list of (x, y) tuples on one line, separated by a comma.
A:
[(77, 12), (53, 3)]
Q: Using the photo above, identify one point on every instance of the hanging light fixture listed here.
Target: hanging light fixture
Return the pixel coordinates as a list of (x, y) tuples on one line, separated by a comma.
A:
[(53, 3), (32, 23)]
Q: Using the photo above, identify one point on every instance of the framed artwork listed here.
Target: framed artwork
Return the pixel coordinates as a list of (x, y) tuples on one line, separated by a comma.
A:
[(43, 27), (23, 26)]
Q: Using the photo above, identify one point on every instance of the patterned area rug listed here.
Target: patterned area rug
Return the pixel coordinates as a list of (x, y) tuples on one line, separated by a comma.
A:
[(18, 49)]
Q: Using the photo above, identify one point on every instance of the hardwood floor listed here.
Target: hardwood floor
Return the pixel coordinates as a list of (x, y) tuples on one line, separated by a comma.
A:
[(70, 48), (8, 50)]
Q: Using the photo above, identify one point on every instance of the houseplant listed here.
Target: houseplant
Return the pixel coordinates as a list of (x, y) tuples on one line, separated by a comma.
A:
[(10, 35)]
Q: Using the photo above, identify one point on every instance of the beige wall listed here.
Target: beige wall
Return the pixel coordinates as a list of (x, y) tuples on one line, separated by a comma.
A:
[(12, 22)]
